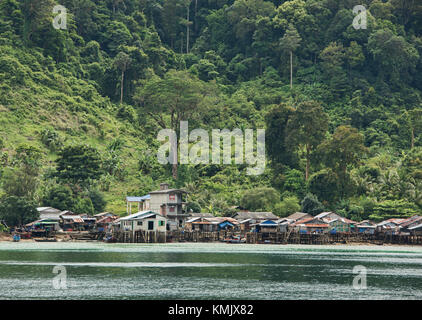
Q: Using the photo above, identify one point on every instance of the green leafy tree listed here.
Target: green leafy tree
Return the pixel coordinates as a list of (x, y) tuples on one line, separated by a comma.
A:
[(276, 124), (22, 179), (79, 165), (84, 206), (60, 197), (176, 97), (310, 204), (289, 43), (344, 150), (393, 54), (286, 207), (97, 199), (17, 211), (324, 184), (306, 128), (122, 62), (260, 199)]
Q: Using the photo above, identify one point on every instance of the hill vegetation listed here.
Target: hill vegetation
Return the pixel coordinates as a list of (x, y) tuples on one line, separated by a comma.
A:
[(80, 108)]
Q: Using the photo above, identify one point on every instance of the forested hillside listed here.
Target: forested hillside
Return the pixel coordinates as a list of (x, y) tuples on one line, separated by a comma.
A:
[(80, 108)]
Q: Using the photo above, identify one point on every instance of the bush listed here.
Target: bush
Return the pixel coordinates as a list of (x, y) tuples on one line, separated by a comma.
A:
[(311, 205), (260, 199), (97, 199), (18, 211), (286, 207), (51, 139)]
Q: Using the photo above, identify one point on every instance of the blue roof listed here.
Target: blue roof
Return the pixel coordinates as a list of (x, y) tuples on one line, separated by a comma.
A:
[(225, 223), (268, 222), (138, 199)]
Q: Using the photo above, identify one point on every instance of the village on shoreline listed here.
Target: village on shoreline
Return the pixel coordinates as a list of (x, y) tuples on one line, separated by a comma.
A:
[(161, 217)]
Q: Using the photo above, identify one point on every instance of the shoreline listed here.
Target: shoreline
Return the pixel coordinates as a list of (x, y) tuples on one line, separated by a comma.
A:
[(350, 244)]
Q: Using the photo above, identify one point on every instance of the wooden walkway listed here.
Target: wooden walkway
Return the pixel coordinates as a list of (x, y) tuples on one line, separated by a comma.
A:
[(265, 237)]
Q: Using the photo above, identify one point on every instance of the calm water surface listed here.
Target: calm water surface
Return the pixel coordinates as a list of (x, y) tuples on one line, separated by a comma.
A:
[(207, 271)]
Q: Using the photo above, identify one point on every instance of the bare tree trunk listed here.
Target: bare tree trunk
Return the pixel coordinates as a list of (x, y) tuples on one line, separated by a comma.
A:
[(291, 69), (174, 171), (307, 163), (412, 142), (121, 87), (187, 31)]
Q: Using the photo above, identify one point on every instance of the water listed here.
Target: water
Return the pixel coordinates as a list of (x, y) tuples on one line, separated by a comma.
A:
[(207, 271)]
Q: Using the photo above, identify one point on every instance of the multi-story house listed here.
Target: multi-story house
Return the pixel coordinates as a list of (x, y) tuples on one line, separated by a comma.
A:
[(170, 204)]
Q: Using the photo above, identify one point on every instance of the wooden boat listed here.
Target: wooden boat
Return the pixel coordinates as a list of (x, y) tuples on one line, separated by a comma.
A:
[(110, 239), (234, 240), (45, 240)]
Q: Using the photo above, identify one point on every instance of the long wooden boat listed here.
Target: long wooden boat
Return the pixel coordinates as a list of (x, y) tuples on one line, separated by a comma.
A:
[(235, 240), (45, 240)]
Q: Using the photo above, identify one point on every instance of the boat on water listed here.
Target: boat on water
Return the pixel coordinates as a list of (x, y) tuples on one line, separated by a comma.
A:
[(235, 239), (45, 239), (109, 239)]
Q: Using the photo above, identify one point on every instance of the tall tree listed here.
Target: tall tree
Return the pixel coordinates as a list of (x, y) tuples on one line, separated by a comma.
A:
[(343, 150), (276, 123), (415, 123), (36, 15), (122, 62), (306, 128), (17, 211), (79, 165), (174, 98), (289, 43)]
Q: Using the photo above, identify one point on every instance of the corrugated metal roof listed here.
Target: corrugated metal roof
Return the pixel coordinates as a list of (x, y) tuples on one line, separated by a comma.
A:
[(416, 227), (255, 215), (137, 199), (298, 215), (74, 218), (169, 191), (312, 225), (411, 220), (268, 222), (137, 215)]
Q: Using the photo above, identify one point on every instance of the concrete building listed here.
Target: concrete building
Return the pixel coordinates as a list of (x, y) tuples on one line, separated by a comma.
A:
[(170, 204)]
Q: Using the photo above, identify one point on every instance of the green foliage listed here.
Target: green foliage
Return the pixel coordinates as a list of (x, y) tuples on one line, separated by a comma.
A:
[(97, 199), (84, 206), (260, 199), (79, 165), (17, 211), (193, 207), (59, 197), (51, 139), (322, 184), (393, 209), (311, 205), (286, 207), (219, 65)]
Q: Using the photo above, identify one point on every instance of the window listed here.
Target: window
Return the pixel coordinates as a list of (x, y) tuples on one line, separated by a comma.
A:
[(139, 223), (172, 209), (150, 225), (172, 197), (161, 223)]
